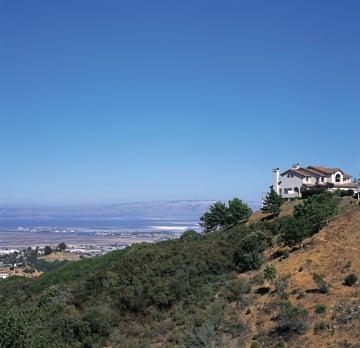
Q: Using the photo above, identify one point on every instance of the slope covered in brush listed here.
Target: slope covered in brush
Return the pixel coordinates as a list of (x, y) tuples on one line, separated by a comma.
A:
[(197, 291)]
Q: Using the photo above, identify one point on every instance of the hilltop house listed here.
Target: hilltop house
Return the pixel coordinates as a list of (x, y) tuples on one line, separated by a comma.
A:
[(294, 181)]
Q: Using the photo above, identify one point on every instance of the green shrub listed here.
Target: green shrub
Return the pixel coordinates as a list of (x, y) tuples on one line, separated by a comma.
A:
[(294, 230), (322, 285), (347, 193), (311, 192), (317, 210), (234, 326), (248, 256), (321, 326), (320, 309), (351, 279), (270, 273), (292, 319), (308, 217), (190, 235), (235, 289)]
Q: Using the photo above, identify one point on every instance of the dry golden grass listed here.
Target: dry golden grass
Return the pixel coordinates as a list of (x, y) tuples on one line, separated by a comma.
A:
[(287, 209), (61, 256)]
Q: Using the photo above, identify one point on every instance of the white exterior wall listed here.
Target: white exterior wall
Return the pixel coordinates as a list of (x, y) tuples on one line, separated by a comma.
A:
[(290, 183), (312, 181), (328, 178), (276, 179), (334, 175)]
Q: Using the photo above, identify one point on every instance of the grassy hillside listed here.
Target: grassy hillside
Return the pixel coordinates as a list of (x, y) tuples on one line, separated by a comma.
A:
[(250, 285)]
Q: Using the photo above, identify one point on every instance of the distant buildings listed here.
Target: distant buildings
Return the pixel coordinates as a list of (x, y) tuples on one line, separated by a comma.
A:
[(294, 181), (4, 273)]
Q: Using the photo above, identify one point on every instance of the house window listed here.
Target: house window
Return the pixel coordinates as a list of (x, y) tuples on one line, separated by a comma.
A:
[(337, 177), (308, 178), (280, 191), (322, 179)]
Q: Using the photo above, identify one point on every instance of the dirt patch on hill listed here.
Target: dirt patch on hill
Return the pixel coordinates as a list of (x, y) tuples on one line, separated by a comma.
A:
[(61, 256)]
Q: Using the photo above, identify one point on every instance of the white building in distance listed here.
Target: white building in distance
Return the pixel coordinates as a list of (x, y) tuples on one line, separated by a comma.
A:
[(294, 181)]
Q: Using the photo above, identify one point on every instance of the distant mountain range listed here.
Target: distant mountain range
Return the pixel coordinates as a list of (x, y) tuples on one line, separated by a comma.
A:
[(159, 209)]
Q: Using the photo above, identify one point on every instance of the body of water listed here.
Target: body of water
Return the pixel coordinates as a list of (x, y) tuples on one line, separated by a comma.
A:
[(24, 232)]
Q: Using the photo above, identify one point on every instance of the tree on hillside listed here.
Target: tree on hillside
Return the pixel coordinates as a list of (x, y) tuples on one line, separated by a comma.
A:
[(215, 217), (221, 215), (62, 246), (237, 211), (272, 203), (47, 250)]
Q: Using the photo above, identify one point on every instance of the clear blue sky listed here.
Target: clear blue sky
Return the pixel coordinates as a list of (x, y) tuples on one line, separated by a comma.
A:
[(110, 101)]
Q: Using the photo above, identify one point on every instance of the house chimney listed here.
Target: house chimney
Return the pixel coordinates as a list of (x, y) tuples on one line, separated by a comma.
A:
[(276, 178), (296, 166)]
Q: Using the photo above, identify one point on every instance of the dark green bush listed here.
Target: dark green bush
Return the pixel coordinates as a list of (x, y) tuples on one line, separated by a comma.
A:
[(351, 279), (320, 309), (294, 230), (317, 210), (309, 217), (248, 256), (235, 289), (347, 193), (190, 235), (270, 273), (311, 192)]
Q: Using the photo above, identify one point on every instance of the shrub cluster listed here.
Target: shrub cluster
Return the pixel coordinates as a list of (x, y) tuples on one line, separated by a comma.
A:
[(309, 217), (83, 303), (351, 279), (292, 319), (126, 297)]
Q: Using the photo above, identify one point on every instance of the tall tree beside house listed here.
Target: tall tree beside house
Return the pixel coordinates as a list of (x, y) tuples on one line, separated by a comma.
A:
[(221, 215), (272, 203)]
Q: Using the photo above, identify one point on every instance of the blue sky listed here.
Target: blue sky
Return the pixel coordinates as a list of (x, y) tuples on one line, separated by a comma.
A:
[(110, 101)]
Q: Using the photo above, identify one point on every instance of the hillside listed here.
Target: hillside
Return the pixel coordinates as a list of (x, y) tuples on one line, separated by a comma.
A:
[(213, 290), (333, 253)]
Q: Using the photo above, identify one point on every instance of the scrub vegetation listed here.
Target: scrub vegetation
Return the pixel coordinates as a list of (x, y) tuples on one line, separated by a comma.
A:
[(186, 292)]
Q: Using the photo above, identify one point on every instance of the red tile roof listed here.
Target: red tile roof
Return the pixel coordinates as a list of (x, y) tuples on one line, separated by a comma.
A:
[(316, 171)]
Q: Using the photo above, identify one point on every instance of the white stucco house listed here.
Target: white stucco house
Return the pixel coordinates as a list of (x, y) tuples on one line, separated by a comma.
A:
[(292, 182)]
